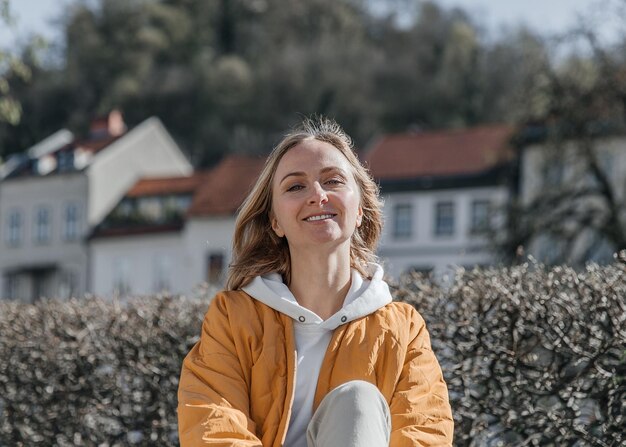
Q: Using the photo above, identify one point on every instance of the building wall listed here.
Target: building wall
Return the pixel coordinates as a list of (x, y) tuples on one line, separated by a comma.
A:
[(204, 237), (58, 257), (193, 256), (138, 264), (186, 256), (37, 269), (423, 249)]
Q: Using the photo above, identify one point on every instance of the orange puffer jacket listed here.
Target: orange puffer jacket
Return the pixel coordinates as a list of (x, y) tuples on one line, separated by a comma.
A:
[(236, 385)]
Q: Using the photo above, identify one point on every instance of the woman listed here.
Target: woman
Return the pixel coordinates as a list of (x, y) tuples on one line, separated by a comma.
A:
[(306, 347)]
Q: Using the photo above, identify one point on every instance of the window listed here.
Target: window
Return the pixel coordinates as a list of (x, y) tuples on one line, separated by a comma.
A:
[(66, 160), (121, 277), (14, 228), (402, 221), (68, 282), (444, 219), (70, 230), (44, 165), (177, 203), (183, 202), (42, 225), (162, 272), (126, 208), (215, 268), (11, 286), (481, 210), (175, 206), (151, 208)]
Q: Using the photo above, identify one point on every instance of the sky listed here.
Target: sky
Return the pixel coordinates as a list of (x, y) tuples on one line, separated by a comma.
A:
[(549, 16), (544, 16)]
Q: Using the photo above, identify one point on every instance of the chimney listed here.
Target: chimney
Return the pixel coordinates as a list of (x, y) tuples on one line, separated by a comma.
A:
[(111, 125)]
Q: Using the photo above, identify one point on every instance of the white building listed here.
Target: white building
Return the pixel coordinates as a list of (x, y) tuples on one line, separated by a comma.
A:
[(441, 191), (171, 234), (135, 219), (54, 196)]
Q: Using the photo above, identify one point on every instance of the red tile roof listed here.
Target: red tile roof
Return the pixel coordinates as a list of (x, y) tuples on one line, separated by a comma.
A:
[(221, 190), (226, 186), (215, 192), (158, 186), (95, 145), (444, 153)]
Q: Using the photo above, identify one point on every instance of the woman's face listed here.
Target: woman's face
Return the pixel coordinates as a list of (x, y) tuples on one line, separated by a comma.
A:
[(315, 198)]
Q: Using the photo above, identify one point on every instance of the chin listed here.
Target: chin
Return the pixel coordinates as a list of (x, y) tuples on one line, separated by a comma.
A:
[(329, 239)]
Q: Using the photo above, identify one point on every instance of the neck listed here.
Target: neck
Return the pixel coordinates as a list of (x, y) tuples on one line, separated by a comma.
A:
[(320, 281)]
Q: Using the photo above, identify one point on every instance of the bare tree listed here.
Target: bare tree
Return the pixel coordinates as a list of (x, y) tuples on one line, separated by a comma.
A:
[(572, 199)]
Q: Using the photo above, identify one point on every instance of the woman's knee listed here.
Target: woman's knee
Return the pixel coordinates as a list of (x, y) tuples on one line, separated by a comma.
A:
[(358, 390), (356, 396), (353, 414)]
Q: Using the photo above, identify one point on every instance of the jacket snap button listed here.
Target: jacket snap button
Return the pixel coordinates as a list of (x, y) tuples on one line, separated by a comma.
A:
[(301, 318), (343, 319)]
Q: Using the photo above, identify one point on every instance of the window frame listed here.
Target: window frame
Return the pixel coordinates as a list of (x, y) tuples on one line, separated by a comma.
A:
[(68, 235), (42, 230), (14, 231), (475, 227), (403, 224), (438, 229)]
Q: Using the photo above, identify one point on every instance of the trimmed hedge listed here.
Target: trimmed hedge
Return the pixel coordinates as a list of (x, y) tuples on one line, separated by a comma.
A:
[(532, 356), (93, 372)]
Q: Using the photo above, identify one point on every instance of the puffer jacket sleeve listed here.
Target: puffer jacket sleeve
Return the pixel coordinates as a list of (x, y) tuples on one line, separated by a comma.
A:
[(420, 410), (213, 393)]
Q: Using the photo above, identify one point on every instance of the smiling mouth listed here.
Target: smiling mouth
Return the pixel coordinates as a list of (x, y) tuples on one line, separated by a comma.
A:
[(320, 217)]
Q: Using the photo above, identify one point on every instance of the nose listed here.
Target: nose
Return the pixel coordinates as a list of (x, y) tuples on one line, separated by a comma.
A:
[(318, 195)]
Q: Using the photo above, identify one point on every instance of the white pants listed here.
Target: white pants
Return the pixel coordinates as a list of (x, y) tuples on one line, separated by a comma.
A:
[(354, 414)]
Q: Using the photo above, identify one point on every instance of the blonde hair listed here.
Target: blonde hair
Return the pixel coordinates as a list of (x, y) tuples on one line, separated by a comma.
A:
[(257, 250)]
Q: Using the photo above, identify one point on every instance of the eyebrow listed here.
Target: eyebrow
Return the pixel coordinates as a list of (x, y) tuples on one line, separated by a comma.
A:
[(322, 171)]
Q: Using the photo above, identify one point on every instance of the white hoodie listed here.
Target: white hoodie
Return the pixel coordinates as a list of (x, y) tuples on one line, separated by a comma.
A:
[(313, 334)]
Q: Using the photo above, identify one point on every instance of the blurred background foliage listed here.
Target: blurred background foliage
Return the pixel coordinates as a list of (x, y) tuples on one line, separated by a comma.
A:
[(230, 75)]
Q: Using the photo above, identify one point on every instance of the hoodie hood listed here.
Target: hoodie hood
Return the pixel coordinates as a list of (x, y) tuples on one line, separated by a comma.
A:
[(364, 297)]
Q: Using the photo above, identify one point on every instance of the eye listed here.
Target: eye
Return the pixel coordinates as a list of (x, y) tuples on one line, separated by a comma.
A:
[(295, 187), (335, 181)]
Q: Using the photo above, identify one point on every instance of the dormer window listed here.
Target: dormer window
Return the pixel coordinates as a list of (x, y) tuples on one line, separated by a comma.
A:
[(46, 165), (82, 158), (66, 160)]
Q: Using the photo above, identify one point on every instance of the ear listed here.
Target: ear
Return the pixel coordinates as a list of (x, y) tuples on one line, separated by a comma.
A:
[(359, 217), (276, 227)]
